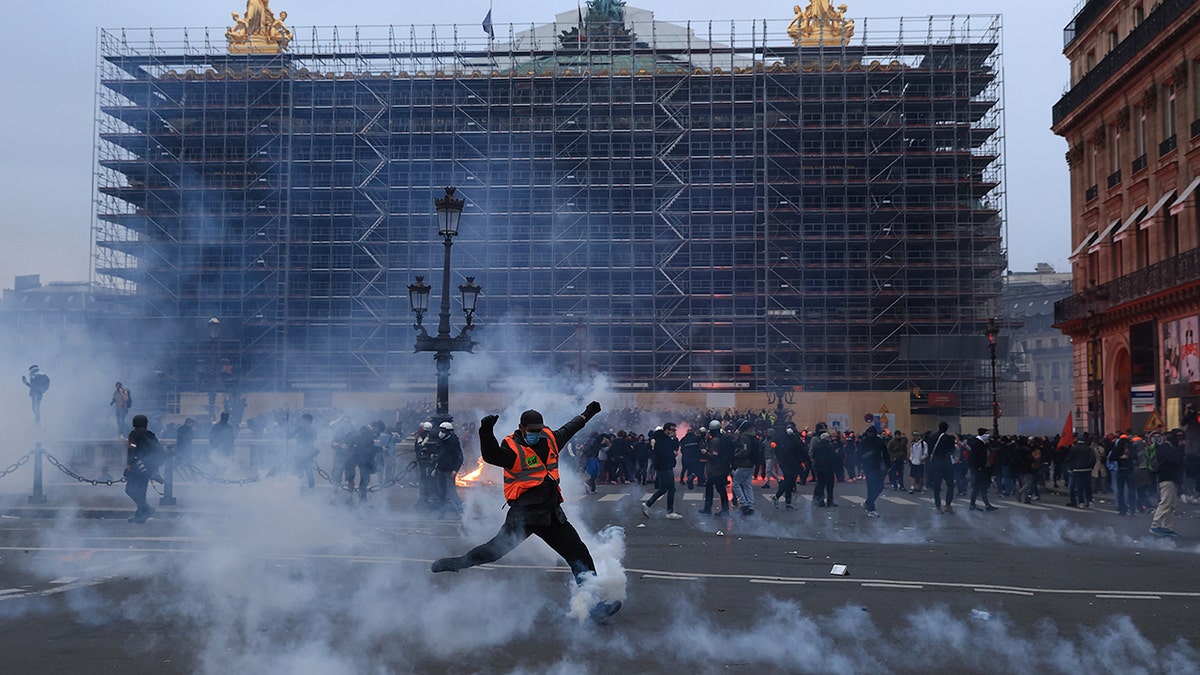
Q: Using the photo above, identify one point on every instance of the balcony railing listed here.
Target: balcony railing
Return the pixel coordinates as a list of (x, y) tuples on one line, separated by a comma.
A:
[(1130, 48), (1139, 163), (1092, 193), (1171, 272), (1167, 145), (1114, 179)]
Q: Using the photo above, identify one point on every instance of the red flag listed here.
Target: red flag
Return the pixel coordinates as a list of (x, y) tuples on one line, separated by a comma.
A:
[(1068, 433)]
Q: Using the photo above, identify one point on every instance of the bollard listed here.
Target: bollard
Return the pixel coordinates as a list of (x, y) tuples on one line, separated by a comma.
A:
[(168, 495), (38, 497)]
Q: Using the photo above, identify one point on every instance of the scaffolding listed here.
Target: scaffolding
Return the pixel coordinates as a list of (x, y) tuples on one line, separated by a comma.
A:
[(698, 206)]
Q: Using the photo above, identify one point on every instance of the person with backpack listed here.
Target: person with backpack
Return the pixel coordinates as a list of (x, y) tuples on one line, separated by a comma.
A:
[(981, 459), (143, 457), (121, 402), (940, 467), (38, 383), (1165, 460)]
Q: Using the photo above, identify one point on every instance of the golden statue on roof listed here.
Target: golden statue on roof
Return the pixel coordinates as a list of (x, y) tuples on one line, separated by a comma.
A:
[(820, 24), (258, 31)]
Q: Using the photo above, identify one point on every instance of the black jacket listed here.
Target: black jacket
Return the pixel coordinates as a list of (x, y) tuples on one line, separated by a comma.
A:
[(665, 446), (872, 454), (538, 505)]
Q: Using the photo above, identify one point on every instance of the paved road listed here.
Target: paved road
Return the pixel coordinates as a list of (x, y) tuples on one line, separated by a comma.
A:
[(259, 578)]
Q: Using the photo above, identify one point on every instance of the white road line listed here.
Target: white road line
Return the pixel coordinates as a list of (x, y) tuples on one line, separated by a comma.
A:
[(693, 497), (1005, 591), (611, 498), (853, 499), (665, 576), (7, 591), (871, 584), (1127, 597), (63, 580), (781, 582), (898, 500)]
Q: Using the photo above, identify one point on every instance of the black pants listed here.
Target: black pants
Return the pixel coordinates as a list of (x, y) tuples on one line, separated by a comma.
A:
[(135, 486), (935, 473), (664, 481), (716, 484), (559, 535), (788, 484), (982, 480), (823, 493)]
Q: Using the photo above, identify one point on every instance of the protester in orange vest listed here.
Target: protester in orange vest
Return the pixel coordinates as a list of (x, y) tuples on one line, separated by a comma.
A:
[(529, 457)]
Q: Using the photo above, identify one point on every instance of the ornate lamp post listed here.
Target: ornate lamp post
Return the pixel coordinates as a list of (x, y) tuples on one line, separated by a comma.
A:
[(214, 336), (449, 210), (993, 330), (778, 396)]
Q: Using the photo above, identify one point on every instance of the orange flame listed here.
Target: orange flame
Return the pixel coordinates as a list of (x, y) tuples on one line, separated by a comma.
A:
[(467, 479)]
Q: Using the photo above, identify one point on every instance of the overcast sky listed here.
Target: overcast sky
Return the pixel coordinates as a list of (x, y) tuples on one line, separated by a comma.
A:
[(49, 83)]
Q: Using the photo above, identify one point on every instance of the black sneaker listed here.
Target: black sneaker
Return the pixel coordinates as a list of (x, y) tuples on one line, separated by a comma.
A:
[(601, 611)]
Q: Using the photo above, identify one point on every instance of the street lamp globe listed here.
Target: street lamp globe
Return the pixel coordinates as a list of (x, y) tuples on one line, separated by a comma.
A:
[(214, 329), (449, 212), (470, 296), (418, 296)]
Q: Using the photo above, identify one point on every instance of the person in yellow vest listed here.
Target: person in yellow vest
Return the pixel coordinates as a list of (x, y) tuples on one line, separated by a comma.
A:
[(529, 457)]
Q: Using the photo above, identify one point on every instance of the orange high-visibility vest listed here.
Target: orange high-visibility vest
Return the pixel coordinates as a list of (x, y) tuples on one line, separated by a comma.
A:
[(528, 470)]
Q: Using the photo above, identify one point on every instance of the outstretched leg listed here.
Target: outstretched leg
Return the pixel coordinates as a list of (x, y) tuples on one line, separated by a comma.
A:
[(511, 534)]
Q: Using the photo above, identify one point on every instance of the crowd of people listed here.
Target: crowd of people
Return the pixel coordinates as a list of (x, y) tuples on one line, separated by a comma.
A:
[(724, 454), (727, 453)]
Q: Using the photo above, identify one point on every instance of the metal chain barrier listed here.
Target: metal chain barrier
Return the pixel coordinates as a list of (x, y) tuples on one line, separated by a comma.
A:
[(324, 474), (18, 464), (394, 479), (223, 481), (75, 474)]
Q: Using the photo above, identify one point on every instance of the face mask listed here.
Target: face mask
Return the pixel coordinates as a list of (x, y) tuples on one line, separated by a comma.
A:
[(533, 437), (443, 434)]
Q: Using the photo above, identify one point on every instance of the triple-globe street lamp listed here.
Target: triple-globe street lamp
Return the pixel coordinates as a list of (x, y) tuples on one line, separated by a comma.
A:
[(443, 345)]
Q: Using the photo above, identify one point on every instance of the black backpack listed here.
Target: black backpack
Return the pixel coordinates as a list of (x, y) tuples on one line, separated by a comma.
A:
[(40, 382)]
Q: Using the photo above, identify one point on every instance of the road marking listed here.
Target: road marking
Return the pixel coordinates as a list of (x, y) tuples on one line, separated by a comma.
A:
[(853, 499), (871, 584), (669, 577), (898, 500), (693, 497), (781, 582), (6, 591), (63, 580), (1031, 507), (1005, 591), (611, 498), (1127, 597)]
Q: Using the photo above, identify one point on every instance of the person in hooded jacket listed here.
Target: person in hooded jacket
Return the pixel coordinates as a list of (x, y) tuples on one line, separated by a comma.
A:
[(448, 460), (873, 460), (143, 457), (787, 452), (718, 458), (825, 463)]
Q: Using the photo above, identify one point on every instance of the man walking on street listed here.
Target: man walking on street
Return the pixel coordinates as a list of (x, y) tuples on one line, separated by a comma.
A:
[(940, 467), (1166, 461), (747, 454), (979, 455), (662, 454)]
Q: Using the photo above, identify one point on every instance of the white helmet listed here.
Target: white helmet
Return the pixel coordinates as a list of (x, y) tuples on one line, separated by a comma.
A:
[(426, 425), (447, 426), (714, 425)]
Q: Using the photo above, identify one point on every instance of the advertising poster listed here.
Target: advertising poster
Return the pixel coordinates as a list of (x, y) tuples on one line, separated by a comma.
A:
[(1170, 351), (1189, 351), (838, 422)]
